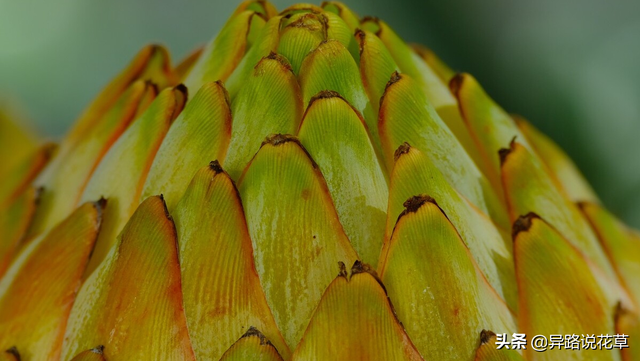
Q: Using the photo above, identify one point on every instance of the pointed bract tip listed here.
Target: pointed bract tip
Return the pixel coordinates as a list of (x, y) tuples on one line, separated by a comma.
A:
[(279, 139), (620, 312), (522, 224), (504, 152), (182, 89), (456, 83), (343, 270), (373, 19), (164, 206), (254, 332), (13, 351), (360, 36), (277, 57), (361, 267), (100, 204), (404, 148), (485, 336), (325, 94), (215, 166), (414, 203), (98, 349), (395, 77)]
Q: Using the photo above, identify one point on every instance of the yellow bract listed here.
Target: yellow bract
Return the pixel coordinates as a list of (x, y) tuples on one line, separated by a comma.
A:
[(220, 285), (38, 290)]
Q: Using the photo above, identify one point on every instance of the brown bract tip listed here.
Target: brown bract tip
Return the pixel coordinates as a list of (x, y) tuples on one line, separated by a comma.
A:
[(13, 351), (620, 312), (216, 167), (404, 148), (343, 269), (414, 203), (284, 62), (360, 38), (182, 89), (254, 332), (395, 77), (100, 205), (325, 94), (504, 152), (310, 21), (279, 139), (166, 210), (485, 336), (98, 350), (38, 194), (455, 84), (522, 224), (372, 19), (360, 267)]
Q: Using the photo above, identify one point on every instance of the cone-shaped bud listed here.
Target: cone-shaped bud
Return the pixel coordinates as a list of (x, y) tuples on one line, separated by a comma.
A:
[(558, 291), (269, 102), (620, 243), (14, 221), (489, 351), (253, 345), (414, 173), (296, 235), (441, 297), (223, 54), (561, 167), (200, 133), (95, 354), (220, 286), (121, 174), (336, 137), (64, 180), (355, 321), (132, 303), (38, 290), (528, 188), (407, 116)]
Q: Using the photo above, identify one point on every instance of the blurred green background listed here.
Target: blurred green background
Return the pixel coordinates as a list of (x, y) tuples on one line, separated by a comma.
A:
[(570, 66)]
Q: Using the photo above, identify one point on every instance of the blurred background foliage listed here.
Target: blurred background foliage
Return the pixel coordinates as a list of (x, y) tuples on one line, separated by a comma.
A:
[(570, 66)]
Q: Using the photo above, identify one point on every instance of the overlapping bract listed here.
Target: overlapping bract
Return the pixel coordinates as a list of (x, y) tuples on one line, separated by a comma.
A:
[(329, 192)]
